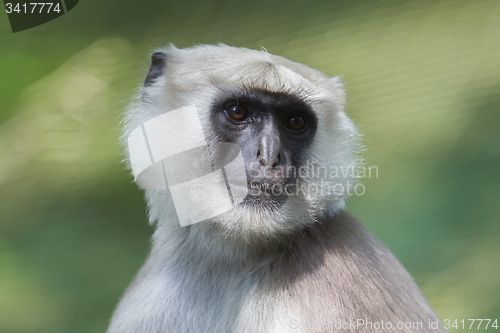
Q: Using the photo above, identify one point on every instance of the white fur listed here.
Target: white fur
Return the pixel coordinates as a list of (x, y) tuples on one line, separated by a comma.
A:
[(197, 75)]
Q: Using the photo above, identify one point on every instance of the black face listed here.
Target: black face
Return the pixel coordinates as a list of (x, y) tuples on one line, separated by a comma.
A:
[(274, 132)]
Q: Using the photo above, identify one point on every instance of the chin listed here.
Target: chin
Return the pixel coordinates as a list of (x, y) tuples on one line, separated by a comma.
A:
[(267, 218)]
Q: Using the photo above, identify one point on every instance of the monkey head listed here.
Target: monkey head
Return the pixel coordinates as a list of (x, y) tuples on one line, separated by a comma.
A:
[(286, 119)]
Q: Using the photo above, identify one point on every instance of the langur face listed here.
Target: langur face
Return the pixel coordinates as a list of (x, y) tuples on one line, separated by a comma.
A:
[(273, 131)]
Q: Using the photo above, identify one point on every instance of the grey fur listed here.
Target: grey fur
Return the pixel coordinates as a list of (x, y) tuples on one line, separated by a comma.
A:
[(252, 270)]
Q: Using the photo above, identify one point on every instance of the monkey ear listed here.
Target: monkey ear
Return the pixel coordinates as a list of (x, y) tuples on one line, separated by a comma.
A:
[(158, 64)]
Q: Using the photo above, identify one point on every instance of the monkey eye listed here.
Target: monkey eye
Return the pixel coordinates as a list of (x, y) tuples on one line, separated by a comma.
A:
[(295, 123), (236, 112)]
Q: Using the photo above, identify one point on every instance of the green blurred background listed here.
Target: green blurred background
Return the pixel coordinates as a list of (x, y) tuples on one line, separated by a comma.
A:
[(423, 80)]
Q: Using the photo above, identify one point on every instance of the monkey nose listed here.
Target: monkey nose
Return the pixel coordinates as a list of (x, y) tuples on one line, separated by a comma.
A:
[(269, 154), (268, 161)]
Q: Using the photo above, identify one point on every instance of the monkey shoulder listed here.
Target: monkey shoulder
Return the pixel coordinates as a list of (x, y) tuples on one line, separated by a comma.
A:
[(337, 270)]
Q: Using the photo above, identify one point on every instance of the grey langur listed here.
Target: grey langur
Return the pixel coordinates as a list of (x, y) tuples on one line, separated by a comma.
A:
[(288, 257)]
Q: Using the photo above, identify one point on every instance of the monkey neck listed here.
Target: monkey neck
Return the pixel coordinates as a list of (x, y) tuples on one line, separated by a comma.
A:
[(205, 245)]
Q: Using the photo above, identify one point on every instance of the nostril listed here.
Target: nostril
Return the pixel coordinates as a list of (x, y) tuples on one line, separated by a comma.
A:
[(277, 161), (260, 158), (268, 161)]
